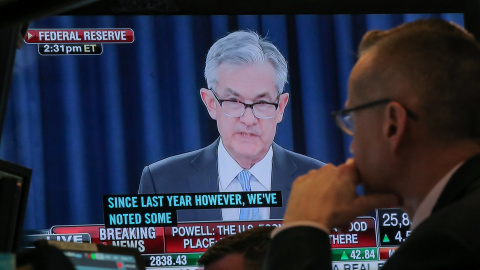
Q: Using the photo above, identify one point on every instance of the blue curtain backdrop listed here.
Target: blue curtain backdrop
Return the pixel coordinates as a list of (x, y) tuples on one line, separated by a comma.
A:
[(87, 125)]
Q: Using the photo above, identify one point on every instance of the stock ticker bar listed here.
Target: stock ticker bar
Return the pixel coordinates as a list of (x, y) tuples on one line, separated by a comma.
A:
[(180, 246), (354, 254), (394, 227), (169, 260)]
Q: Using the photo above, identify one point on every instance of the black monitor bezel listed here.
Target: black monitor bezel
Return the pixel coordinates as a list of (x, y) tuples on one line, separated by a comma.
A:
[(470, 8), (26, 174)]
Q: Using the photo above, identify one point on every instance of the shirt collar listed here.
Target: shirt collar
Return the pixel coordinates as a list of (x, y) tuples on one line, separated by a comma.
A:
[(426, 207), (228, 168)]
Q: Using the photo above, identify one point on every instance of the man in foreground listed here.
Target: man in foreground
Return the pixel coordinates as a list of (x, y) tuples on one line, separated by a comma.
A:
[(413, 110)]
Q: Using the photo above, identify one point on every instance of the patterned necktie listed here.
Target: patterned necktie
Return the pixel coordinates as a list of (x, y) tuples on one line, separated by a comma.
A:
[(247, 213)]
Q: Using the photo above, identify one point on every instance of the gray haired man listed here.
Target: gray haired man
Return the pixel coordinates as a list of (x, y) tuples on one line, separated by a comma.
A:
[(246, 76)]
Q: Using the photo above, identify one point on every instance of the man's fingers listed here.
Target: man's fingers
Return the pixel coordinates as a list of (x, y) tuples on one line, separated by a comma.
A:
[(364, 204), (350, 166), (350, 161)]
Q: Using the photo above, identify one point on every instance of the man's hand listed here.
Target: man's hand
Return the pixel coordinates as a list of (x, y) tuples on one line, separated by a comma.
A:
[(328, 197)]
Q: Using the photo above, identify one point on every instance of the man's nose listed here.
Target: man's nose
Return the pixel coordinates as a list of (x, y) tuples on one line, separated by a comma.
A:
[(351, 147), (248, 118)]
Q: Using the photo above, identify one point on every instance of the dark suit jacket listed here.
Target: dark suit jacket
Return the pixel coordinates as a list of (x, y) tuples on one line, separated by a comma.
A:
[(197, 172), (448, 239)]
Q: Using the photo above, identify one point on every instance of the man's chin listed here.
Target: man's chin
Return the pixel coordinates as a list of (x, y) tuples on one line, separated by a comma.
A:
[(248, 150), (373, 190)]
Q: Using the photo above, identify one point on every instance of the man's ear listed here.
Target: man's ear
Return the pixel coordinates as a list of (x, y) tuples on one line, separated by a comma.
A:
[(210, 102), (282, 103), (395, 124)]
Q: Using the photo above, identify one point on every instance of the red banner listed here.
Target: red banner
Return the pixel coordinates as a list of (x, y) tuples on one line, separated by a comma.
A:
[(361, 233), (197, 237), (145, 239), (41, 36), (386, 252)]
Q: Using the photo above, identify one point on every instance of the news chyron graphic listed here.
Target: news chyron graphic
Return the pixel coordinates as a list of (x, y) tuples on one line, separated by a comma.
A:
[(161, 210), (365, 245), (76, 41)]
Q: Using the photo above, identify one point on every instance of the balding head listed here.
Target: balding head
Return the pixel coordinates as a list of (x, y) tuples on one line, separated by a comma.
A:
[(430, 66)]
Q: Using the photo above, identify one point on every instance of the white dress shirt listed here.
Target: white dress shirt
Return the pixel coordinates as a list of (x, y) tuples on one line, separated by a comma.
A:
[(426, 206), (228, 169)]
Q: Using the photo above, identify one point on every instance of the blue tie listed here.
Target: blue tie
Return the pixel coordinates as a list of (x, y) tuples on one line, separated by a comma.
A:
[(247, 213)]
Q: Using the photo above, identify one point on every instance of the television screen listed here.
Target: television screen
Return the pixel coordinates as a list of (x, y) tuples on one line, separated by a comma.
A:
[(89, 115)]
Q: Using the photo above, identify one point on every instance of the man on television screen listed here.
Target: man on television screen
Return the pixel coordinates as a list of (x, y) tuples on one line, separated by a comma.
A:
[(413, 110), (246, 76)]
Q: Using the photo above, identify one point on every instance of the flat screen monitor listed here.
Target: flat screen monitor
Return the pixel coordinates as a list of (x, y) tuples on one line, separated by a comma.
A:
[(14, 187), (96, 116)]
